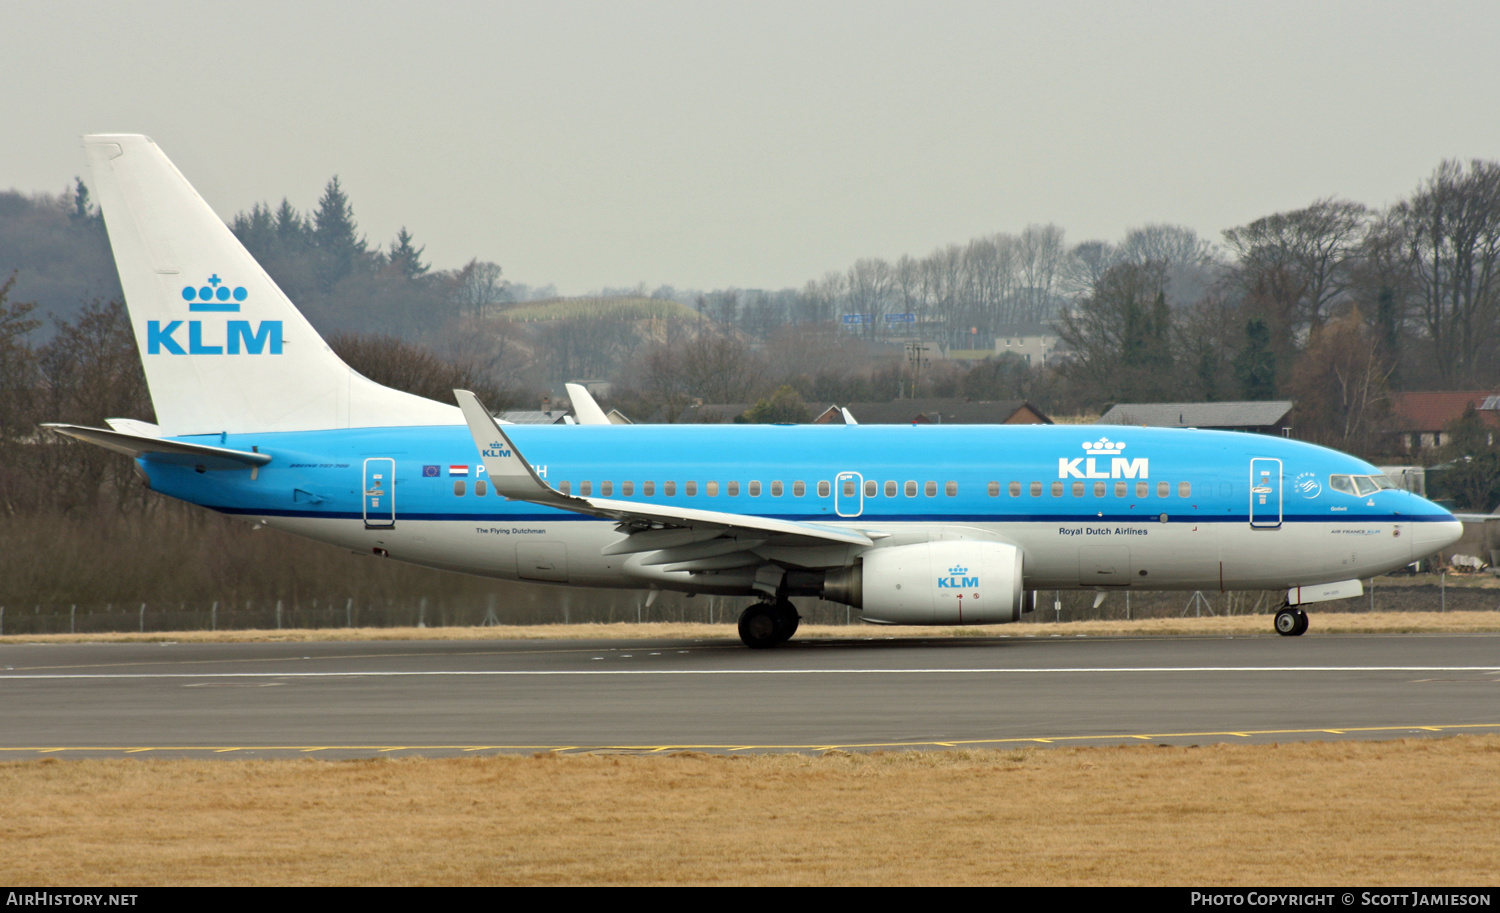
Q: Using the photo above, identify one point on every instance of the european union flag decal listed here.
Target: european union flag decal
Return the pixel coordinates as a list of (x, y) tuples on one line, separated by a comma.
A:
[(429, 472)]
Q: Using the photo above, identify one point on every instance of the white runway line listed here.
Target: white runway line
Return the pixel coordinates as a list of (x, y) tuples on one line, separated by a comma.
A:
[(1090, 670)]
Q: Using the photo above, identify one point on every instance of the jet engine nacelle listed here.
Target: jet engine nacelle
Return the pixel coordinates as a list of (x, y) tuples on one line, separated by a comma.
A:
[(933, 583)]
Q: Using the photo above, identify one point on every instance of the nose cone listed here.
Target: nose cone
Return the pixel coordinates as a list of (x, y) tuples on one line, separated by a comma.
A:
[(1434, 536)]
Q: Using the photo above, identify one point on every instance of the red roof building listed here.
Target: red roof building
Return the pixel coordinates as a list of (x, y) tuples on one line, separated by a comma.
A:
[(1418, 419)]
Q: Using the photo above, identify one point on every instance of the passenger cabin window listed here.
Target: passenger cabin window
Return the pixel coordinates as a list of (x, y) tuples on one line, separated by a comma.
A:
[(711, 489), (690, 489), (627, 488), (480, 488), (848, 488), (776, 489), (872, 488), (458, 487), (1121, 489), (994, 489), (1184, 489), (565, 487), (669, 489), (1015, 489), (585, 489), (950, 489), (647, 489), (1163, 489), (734, 489), (1077, 489), (754, 489), (1142, 489), (930, 489), (911, 489), (1098, 489), (892, 488), (799, 489), (823, 489), (1057, 489), (1036, 489), (606, 488)]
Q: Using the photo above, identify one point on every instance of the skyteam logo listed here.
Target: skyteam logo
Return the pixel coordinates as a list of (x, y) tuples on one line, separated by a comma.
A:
[(957, 581), (1088, 467), (232, 337)]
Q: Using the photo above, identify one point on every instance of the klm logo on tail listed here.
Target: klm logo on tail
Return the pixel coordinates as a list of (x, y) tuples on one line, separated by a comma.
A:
[(232, 337)]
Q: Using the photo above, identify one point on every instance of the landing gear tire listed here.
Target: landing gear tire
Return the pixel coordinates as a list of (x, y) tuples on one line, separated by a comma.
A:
[(787, 620), (767, 624), (1291, 622), (759, 628)]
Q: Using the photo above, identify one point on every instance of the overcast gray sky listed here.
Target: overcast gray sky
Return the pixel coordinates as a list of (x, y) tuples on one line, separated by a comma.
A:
[(756, 144)]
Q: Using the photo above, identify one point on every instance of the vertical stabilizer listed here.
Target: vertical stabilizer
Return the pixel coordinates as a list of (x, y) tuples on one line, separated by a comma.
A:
[(224, 348)]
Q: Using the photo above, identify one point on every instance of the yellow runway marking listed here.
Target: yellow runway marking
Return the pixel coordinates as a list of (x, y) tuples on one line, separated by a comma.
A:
[(854, 746)]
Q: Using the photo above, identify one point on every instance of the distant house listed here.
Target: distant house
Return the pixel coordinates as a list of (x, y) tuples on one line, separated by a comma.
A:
[(899, 412), (1267, 417), (728, 413), (1418, 419), (538, 417), (1035, 342), (947, 412)]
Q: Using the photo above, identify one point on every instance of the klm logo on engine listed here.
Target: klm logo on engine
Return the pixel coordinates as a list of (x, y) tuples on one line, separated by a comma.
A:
[(213, 337), (957, 581), (1091, 467)]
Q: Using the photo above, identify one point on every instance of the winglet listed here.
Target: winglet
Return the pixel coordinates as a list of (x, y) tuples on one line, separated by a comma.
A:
[(848, 416), (584, 407), (509, 472)]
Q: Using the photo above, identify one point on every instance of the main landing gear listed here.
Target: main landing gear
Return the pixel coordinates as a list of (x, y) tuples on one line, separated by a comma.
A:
[(1291, 622), (767, 624)]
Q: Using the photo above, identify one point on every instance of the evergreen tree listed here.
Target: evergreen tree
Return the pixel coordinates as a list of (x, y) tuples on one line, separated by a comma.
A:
[(406, 258), (340, 249), (784, 406), (83, 212), (1255, 366)]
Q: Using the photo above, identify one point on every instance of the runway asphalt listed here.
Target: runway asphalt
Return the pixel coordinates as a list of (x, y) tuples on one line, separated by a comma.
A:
[(339, 700)]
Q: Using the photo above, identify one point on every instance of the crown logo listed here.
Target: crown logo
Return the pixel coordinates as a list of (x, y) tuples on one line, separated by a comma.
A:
[(215, 296), (958, 571), (1103, 447)]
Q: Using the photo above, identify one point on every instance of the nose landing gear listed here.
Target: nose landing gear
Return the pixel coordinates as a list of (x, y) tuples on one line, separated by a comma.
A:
[(1291, 622), (767, 624)]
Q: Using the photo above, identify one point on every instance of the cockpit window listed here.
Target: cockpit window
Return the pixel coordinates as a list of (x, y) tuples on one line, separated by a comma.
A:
[(1359, 485)]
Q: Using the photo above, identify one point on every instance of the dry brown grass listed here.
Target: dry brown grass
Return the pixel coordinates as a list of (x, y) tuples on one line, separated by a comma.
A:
[(1239, 625), (1413, 812)]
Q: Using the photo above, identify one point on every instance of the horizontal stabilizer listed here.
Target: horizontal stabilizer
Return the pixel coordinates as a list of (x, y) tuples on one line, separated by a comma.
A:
[(163, 450)]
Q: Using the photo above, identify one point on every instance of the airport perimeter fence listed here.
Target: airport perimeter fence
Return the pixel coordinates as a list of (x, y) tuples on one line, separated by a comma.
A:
[(565, 606)]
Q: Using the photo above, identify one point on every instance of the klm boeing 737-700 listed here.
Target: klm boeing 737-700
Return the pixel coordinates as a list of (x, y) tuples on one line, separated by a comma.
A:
[(257, 417)]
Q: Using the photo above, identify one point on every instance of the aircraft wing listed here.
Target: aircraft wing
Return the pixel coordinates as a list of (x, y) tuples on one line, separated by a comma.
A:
[(162, 449), (512, 476)]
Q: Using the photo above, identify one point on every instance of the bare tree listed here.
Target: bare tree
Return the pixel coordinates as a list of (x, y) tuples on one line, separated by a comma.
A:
[(477, 288), (1450, 230), (1302, 260)]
